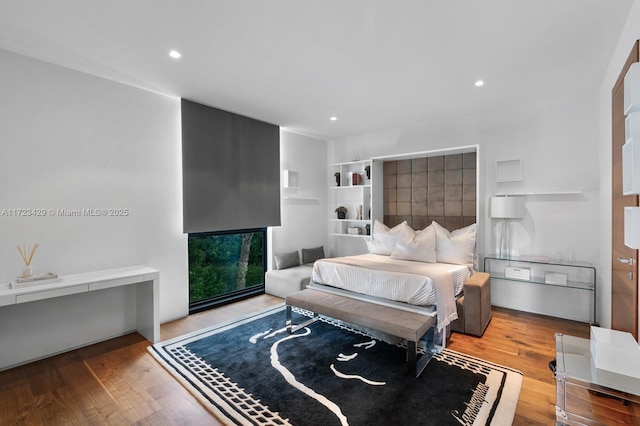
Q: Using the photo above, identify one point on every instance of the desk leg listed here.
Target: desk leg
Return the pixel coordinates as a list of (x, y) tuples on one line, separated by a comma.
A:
[(147, 310)]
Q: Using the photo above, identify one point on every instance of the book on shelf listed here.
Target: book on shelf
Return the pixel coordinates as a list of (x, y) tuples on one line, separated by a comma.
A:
[(39, 279)]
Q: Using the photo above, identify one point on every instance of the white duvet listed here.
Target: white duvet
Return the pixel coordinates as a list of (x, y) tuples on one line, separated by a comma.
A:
[(415, 283)]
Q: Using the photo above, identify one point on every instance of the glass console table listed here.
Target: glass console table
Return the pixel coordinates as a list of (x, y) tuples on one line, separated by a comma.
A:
[(534, 270), (584, 398)]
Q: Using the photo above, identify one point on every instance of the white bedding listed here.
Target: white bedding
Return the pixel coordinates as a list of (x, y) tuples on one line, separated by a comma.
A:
[(415, 283)]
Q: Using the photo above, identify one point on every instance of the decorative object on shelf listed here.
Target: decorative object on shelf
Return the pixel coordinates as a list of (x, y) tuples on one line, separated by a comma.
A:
[(614, 354), (354, 231), (367, 170), (359, 212), (27, 257), (506, 208), (342, 212), (337, 175), (356, 179), (571, 255), (517, 273), (367, 229), (46, 278)]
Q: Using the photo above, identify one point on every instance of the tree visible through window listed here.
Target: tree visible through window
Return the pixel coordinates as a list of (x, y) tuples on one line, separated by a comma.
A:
[(225, 264)]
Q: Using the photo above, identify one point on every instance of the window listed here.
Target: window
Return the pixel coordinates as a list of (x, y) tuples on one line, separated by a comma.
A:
[(225, 266)]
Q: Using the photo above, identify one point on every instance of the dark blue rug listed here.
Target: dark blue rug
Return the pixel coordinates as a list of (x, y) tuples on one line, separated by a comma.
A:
[(250, 371)]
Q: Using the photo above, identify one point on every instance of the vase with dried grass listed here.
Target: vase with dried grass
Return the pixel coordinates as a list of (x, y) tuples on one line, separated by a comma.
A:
[(27, 254)]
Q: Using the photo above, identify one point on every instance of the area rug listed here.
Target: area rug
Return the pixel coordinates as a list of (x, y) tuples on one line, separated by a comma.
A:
[(251, 371)]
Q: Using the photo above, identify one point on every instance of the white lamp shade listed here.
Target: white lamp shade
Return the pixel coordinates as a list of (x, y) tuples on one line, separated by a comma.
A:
[(632, 89), (632, 227), (507, 207)]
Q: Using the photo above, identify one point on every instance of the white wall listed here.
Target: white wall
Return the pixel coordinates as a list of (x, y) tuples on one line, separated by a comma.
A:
[(303, 209), (74, 141), (557, 142), (630, 34)]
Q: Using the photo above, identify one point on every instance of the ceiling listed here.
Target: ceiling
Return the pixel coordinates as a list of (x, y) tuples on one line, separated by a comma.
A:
[(372, 64)]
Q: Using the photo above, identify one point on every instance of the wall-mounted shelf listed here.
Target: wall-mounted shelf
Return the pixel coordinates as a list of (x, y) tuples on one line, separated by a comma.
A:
[(351, 235), (350, 186), (295, 194), (578, 192), (302, 198), (341, 227)]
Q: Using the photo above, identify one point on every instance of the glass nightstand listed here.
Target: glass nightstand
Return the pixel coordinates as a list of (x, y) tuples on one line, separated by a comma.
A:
[(581, 399)]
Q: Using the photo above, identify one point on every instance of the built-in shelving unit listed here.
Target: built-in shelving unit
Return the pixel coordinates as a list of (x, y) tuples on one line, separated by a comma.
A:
[(352, 189)]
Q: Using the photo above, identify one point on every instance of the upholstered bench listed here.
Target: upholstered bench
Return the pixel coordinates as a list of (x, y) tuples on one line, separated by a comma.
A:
[(407, 325), (474, 306), (283, 282)]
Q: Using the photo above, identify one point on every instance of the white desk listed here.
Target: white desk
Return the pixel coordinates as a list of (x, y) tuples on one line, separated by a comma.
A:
[(42, 320)]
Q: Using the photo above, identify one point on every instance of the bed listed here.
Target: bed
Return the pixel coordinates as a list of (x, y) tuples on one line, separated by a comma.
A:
[(422, 271), (423, 287)]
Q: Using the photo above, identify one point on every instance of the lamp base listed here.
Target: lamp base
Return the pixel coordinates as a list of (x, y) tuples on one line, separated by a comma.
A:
[(504, 250)]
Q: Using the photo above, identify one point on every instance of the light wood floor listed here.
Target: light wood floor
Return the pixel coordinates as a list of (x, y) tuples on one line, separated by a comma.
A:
[(117, 382)]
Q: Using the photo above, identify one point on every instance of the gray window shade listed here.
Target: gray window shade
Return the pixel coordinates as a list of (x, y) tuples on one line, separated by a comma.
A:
[(230, 170)]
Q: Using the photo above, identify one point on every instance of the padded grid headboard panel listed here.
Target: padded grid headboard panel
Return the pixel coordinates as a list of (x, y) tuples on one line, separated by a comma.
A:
[(421, 190)]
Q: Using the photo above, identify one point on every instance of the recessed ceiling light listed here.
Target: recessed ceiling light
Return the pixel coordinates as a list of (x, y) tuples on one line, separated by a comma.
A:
[(479, 83), (175, 54), (334, 118)]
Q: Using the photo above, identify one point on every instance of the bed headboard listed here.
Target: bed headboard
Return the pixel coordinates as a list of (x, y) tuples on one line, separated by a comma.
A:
[(436, 188)]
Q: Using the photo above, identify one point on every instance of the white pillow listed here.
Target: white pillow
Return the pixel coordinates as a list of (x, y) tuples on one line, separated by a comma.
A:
[(384, 239), (419, 246), (456, 247)]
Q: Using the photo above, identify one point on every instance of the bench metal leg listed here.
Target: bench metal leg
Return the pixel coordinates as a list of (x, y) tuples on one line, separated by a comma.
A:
[(291, 328), (417, 364)]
